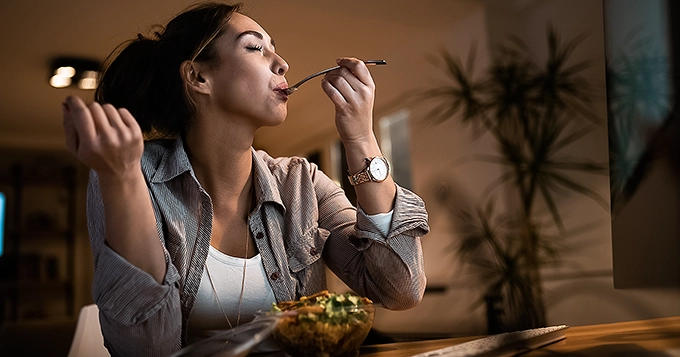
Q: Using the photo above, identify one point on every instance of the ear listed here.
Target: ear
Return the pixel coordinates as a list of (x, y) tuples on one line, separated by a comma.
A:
[(191, 75)]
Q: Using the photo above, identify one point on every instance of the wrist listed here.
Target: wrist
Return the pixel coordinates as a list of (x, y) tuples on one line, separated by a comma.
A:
[(120, 179), (357, 151)]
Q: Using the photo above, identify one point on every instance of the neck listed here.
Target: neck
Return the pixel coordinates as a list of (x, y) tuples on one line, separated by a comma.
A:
[(221, 156)]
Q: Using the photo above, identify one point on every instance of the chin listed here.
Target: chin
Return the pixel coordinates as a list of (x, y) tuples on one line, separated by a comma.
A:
[(280, 118), (279, 122), (274, 120)]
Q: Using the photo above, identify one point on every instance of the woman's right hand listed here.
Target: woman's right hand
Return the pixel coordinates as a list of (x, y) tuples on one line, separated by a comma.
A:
[(106, 139), (109, 141)]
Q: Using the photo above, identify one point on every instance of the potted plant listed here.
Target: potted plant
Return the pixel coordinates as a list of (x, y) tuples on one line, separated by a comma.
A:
[(534, 112)]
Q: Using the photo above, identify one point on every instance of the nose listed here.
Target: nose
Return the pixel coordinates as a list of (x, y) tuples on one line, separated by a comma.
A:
[(280, 66)]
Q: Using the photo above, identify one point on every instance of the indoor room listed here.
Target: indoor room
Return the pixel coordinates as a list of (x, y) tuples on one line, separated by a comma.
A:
[(541, 136)]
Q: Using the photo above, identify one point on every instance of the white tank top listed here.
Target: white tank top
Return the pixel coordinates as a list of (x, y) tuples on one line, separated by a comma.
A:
[(227, 274)]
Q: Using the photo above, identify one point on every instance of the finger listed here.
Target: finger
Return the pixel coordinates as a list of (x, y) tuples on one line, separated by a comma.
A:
[(132, 126), (128, 119), (101, 122), (334, 87), (351, 88), (336, 77), (77, 113), (113, 117), (357, 67), (361, 88), (355, 83)]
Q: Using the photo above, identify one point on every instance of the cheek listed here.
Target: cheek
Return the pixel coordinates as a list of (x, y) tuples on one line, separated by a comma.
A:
[(243, 83)]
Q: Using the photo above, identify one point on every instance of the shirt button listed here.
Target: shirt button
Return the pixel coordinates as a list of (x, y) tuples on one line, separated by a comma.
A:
[(259, 235), (313, 251), (275, 275)]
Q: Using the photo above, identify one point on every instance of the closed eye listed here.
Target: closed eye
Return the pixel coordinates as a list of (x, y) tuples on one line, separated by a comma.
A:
[(254, 48), (257, 35)]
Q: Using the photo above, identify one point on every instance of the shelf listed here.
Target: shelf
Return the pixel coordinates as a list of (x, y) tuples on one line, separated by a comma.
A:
[(27, 175), (40, 237), (35, 285)]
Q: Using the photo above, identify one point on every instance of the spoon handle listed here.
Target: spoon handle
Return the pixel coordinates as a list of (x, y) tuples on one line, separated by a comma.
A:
[(294, 87)]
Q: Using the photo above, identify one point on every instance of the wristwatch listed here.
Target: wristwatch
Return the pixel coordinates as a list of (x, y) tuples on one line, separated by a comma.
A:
[(377, 169)]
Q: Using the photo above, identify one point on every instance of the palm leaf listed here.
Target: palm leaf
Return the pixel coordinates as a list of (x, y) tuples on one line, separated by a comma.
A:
[(534, 112), (579, 188), (552, 206)]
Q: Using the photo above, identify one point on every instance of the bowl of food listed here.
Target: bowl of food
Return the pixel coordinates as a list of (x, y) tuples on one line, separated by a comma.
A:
[(323, 325)]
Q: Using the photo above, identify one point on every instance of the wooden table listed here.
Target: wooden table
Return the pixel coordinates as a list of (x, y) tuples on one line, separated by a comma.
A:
[(656, 337)]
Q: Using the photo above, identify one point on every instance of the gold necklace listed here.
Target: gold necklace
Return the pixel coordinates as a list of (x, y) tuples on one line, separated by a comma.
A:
[(243, 280)]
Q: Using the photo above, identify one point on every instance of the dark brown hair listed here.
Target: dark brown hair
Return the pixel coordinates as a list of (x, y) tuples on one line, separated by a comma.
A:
[(144, 77)]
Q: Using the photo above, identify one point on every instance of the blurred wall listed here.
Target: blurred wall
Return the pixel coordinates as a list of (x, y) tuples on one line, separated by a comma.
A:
[(579, 290)]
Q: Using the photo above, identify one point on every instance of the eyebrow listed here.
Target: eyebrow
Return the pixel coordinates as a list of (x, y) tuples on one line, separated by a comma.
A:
[(254, 33)]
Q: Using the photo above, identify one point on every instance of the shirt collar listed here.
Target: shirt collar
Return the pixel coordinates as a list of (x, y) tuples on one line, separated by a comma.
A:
[(265, 182), (176, 162)]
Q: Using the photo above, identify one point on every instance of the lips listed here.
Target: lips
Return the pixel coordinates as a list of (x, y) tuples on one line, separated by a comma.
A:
[(281, 89), (281, 86)]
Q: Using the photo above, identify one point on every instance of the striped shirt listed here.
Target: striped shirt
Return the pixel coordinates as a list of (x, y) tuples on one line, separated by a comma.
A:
[(302, 223)]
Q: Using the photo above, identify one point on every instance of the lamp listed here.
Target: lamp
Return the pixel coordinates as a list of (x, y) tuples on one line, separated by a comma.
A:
[(71, 72)]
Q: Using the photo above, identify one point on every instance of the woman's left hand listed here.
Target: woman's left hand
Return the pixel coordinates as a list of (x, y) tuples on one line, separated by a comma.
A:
[(352, 90)]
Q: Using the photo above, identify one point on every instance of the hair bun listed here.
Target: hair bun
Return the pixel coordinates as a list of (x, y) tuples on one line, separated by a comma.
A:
[(143, 74)]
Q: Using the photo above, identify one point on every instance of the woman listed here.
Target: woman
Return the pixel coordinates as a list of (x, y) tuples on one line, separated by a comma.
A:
[(197, 231)]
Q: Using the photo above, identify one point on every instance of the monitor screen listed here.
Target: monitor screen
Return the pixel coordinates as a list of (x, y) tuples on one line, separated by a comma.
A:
[(642, 46), (2, 223)]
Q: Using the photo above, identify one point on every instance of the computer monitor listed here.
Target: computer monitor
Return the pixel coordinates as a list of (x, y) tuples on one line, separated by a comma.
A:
[(642, 40), (2, 222)]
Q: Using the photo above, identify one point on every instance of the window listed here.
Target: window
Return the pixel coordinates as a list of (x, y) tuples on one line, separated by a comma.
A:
[(395, 139)]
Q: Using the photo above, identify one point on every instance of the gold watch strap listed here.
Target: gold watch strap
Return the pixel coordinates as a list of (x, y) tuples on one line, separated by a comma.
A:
[(361, 176)]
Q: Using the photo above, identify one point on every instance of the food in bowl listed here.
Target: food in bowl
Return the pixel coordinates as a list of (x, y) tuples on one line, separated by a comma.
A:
[(323, 325)]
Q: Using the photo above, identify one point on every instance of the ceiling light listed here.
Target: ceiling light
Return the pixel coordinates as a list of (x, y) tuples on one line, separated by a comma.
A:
[(89, 80), (58, 81), (71, 71), (66, 72)]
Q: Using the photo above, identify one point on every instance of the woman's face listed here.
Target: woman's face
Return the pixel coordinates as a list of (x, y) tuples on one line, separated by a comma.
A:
[(247, 80)]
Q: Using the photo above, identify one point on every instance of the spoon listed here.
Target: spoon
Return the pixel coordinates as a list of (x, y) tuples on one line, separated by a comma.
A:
[(290, 90)]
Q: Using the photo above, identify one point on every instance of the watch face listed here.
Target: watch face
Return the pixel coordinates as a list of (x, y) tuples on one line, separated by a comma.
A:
[(378, 169)]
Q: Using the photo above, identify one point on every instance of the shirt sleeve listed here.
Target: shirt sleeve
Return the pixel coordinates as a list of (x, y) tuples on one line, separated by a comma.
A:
[(386, 266), (137, 314)]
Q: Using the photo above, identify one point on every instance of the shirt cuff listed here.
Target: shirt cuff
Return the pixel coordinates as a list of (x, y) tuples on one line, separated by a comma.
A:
[(382, 221)]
